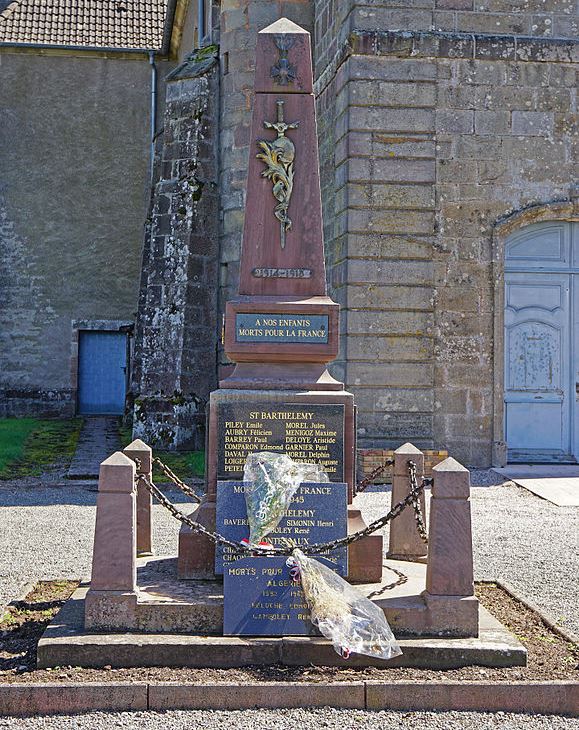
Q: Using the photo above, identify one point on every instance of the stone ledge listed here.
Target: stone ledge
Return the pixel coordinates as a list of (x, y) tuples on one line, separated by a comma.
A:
[(458, 45), (65, 642), (561, 698)]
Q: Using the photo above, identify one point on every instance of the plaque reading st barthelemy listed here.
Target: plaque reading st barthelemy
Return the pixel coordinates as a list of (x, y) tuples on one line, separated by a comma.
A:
[(306, 432)]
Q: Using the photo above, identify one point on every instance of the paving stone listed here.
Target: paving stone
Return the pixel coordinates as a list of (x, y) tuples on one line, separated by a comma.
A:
[(99, 438)]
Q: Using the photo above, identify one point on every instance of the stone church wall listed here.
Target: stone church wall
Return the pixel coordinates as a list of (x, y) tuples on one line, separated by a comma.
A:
[(177, 323), (74, 159), (436, 137)]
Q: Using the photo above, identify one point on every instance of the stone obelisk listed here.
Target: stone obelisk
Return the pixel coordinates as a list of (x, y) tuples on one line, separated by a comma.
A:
[(282, 329)]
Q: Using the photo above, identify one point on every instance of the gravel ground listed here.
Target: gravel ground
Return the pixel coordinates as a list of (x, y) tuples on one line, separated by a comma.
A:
[(47, 533), (517, 536), (295, 720)]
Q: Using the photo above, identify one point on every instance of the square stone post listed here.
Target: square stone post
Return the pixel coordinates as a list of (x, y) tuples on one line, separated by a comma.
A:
[(449, 591), (405, 541), (112, 596), (142, 455)]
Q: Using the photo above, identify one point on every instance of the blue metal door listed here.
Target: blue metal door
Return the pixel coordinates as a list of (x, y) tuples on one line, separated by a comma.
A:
[(540, 352), (102, 368)]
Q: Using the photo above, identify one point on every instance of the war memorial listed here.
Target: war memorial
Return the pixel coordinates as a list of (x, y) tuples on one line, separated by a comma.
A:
[(237, 593)]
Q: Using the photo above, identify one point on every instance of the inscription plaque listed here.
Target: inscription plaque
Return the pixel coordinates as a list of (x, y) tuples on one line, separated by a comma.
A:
[(317, 513), (262, 599), (289, 328), (277, 273), (306, 432)]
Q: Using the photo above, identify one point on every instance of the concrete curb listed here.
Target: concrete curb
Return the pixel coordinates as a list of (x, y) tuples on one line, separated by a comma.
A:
[(67, 699), (561, 698), (270, 695)]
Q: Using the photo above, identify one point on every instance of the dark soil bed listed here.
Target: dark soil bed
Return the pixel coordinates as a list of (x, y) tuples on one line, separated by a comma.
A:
[(550, 656)]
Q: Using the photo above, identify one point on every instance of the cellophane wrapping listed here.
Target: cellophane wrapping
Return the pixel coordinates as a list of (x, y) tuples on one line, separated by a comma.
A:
[(350, 620), (271, 482)]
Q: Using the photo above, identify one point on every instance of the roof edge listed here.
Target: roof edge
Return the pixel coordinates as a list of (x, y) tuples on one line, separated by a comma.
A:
[(64, 48)]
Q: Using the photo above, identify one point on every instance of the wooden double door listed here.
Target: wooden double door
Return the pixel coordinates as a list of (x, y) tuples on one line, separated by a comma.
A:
[(542, 343)]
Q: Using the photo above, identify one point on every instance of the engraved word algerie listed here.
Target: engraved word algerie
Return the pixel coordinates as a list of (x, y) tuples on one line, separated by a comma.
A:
[(279, 157)]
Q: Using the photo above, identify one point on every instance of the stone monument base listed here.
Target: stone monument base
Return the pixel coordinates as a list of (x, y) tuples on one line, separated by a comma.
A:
[(332, 411), (179, 623)]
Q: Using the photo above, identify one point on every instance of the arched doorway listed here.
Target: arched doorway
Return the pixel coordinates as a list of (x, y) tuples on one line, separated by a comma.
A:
[(541, 343)]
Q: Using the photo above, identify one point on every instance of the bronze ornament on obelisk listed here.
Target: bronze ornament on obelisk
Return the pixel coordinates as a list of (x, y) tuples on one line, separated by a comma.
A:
[(282, 330)]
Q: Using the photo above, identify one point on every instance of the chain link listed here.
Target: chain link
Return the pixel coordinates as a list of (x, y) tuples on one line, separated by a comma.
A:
[(377, 472), (185, 488), (416, 501), (412, 498)]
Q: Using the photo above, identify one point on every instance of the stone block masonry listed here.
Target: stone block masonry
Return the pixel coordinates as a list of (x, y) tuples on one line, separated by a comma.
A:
[(176, 336), (74, 170), (371, 459), (428, 138)]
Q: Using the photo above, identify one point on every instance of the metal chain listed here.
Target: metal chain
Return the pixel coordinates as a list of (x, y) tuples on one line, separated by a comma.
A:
[(398, 508), (185, 488), (195, 526), (416, 501), (377, 472)]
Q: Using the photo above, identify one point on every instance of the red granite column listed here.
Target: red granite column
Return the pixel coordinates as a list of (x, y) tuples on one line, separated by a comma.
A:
[(405, 541), (449, 594)]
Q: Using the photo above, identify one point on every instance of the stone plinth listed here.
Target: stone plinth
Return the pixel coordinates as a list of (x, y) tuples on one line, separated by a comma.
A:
[(114, 578), (142, 455), (405, 541), (449, 573), (197, 553), (190, 615)]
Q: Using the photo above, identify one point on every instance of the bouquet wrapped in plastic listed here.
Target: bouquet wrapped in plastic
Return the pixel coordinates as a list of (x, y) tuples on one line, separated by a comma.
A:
[(350, 620), (271, 482)]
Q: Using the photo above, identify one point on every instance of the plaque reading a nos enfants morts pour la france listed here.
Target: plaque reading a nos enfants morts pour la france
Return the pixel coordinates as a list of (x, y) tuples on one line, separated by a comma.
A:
[(312, 433), (317, 514), (283, 328), (262, 599)]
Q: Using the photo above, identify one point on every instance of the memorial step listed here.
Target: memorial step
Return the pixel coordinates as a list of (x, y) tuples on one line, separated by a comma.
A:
[(166, 604), (66, 643)]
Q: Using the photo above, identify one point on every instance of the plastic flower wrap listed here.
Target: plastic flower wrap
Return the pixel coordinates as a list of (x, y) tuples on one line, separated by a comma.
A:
[(271, 482), (350, 620)]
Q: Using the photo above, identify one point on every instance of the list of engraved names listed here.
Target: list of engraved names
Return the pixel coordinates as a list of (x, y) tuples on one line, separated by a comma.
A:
[(310, 433)]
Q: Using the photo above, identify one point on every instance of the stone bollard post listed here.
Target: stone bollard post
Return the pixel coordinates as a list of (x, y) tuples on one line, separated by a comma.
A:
[(142, 455), (405, 541), (449, 591), (112, 596)]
